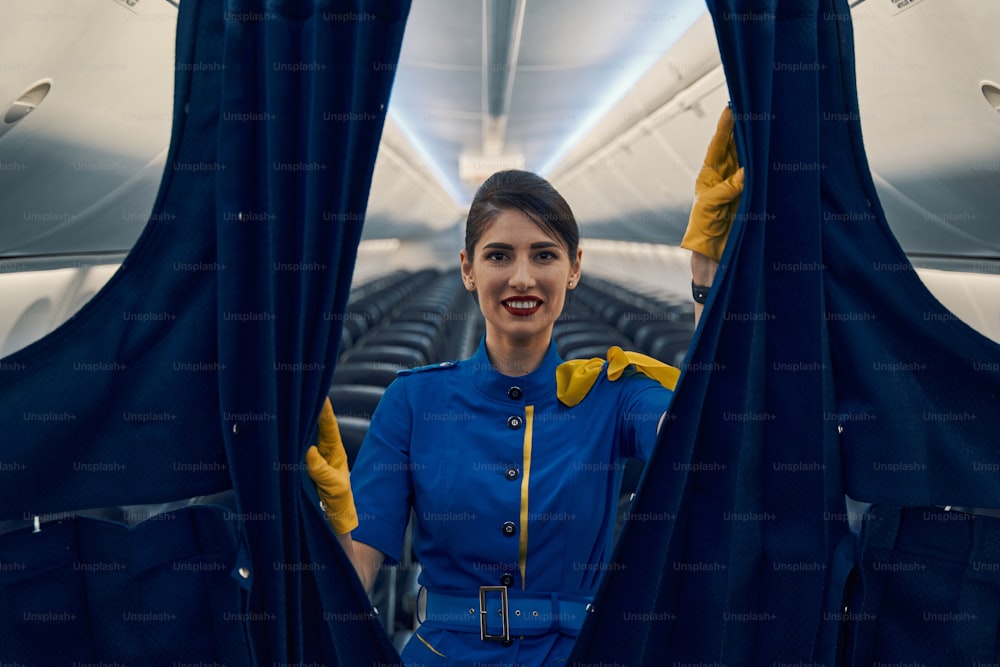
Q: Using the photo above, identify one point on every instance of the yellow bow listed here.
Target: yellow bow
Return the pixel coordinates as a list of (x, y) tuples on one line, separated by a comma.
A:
[(575, 378)]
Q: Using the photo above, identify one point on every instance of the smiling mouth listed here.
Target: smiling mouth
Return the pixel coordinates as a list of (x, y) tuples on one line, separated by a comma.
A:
[(522, 307)]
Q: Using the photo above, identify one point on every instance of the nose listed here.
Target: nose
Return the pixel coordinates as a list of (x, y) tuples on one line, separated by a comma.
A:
[(521, 277)]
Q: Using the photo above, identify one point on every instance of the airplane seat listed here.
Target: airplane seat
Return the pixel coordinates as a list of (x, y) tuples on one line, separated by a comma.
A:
[(649, 332), (379, 283), (431, 328), (369, 306), (465, 325), (590, 302), (381, 305), (611, 289), (566, 327), (426, 303), (615, 310), (358, 319), (354, 326), (630, 319), (668, 347), (352, 433), (570, 345), (577, 306), (628, 309), (682, 307), (574, 311), (435, 330), (346, 341), (626, 292), (446, 307), (366, 372), (624, 315), (658, 302), (387, 335), (597, 300), (424, 310), (586, 352), (419, 315), (465, 331), (355, 400), (407, 356), (419, 323)]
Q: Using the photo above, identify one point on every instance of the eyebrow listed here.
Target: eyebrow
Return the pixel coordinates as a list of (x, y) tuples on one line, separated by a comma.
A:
[(534, 246)]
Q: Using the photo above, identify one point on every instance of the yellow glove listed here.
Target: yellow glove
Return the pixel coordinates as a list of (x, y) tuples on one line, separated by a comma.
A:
[(716, 193), (327, 465)]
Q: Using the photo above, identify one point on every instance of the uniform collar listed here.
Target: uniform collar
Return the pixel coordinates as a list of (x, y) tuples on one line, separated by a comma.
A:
[(536, 386)]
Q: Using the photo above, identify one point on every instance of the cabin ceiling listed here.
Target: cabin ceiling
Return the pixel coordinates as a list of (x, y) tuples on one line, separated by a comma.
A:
[(614, 102)]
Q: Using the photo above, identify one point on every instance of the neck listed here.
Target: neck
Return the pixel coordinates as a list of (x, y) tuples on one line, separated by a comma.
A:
[(516, 357)]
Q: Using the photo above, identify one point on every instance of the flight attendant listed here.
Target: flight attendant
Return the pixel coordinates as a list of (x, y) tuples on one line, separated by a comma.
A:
[(511, 460)]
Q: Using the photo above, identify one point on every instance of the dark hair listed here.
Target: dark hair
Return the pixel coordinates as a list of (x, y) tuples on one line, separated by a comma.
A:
[(528, 193)]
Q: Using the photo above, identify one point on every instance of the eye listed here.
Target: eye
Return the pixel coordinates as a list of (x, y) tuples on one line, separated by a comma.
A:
[(547, 255), (496, 256)]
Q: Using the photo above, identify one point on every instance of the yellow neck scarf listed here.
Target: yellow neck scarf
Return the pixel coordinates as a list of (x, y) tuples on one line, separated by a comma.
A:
[(575, 378)]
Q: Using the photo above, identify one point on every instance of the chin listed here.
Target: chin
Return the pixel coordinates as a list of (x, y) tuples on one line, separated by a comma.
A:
[(526, 330)]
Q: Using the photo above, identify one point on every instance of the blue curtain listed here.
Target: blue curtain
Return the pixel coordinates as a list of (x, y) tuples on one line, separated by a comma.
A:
[(822, 367), (199, 370)]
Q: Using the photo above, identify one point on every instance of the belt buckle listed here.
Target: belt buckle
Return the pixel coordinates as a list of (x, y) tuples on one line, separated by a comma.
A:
[(505, 617)]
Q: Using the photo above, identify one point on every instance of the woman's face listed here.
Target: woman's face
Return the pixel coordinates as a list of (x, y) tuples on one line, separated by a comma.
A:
[(520, 275)]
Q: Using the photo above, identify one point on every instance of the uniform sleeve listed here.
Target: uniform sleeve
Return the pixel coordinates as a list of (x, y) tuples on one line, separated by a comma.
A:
[(642, 402), (380, 479)]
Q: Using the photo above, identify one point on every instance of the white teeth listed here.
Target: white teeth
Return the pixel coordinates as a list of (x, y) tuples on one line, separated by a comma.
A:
[(522, 305)]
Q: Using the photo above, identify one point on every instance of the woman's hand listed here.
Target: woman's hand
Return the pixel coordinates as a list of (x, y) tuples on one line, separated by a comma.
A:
[(717, 197), (327, 465), (716, 193)]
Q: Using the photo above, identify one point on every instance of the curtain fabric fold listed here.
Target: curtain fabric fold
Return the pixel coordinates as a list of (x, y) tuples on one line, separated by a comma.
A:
[(822, 367), (202, 365)]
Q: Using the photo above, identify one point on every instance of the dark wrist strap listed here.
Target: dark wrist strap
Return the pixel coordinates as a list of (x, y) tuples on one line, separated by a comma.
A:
[(699, 292)]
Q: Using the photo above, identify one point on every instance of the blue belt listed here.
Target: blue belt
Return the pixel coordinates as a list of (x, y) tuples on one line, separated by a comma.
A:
[(507, 612)]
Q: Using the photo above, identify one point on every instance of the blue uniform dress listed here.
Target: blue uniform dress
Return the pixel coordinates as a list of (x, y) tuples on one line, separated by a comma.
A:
[(509, 486)]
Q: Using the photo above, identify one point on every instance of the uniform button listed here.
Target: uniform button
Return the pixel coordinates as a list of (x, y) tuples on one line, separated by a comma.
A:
[(509, 529), (514, 422), (514, 393), (507, 580), (512, 474)]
